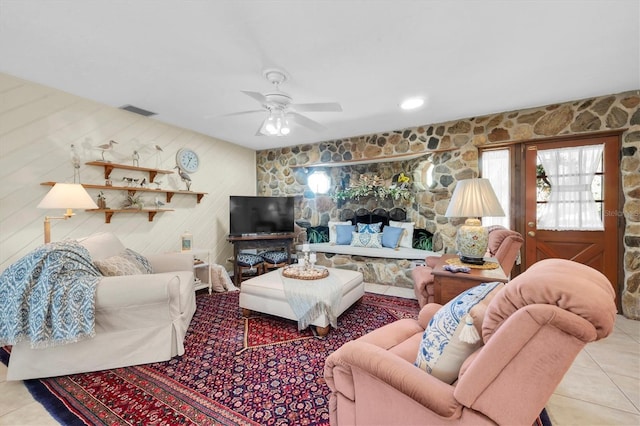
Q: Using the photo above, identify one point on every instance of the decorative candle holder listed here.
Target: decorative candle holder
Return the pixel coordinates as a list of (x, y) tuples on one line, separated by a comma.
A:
[(307, 261)]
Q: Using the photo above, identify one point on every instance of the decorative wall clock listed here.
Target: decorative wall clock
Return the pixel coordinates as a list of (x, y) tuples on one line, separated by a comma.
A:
[(187, 160)]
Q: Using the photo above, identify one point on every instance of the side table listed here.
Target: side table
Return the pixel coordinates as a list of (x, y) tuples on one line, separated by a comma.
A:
[(201, 261), (258, 241), (447, 285)]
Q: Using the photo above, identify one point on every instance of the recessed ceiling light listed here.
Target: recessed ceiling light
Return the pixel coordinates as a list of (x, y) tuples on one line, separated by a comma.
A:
[(412, 103)]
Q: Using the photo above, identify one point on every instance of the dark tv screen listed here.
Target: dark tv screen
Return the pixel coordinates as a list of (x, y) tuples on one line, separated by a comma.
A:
[(260, 215)]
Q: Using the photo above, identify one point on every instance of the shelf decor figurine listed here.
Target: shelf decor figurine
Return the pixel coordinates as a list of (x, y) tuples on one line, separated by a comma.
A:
[(75, 161), (102, 202), (185, 178), (106, 147)]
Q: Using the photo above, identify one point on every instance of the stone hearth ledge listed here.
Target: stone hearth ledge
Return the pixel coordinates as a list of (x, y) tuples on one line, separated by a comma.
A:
[(378, 265)]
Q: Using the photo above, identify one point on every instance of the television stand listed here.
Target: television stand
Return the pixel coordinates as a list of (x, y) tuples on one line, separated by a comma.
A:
[(255, 241)]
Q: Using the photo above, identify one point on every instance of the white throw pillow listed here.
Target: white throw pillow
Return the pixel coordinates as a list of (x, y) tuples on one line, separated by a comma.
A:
[(407, 237), (332, 230), (118, 265)]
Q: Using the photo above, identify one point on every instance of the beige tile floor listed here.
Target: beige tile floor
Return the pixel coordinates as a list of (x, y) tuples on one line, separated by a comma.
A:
[(601, 388)]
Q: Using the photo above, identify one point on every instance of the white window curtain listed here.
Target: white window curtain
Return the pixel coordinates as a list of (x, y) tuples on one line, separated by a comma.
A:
[(571, 205), (496, 168)]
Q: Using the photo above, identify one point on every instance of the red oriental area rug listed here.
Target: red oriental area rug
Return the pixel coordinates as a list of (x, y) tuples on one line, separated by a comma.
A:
[(235, 371)]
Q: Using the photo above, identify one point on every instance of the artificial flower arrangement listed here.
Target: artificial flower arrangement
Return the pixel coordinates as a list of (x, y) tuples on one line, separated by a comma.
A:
[(133, 202), (374, 187)]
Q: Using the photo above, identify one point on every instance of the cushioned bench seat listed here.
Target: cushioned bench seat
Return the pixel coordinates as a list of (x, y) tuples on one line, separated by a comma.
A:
[(387, 253)]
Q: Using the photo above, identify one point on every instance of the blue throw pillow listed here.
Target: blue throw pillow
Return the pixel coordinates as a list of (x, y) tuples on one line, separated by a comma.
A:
[(391, 236), (343, 234), (369, 228)]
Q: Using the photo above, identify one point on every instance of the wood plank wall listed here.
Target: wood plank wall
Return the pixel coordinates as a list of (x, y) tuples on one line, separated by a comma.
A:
[(38, 124)]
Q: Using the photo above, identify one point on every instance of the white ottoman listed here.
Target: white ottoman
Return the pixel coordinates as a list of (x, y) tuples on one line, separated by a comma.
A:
[(265, 293)]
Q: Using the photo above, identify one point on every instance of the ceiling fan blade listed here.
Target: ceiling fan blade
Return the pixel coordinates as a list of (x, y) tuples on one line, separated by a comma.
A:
[(257, 96), (317, 107), (243, 112), (306, 122), (233, 113)]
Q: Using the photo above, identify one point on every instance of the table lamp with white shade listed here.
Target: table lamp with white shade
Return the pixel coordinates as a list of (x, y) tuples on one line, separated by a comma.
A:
[(64, 196), (473, 199)]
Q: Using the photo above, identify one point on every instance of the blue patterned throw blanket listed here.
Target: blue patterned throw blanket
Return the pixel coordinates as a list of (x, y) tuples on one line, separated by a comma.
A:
[(47, 297)]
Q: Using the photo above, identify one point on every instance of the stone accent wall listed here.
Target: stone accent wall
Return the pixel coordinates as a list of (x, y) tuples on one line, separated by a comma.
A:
[(396, 272), (457, 158)]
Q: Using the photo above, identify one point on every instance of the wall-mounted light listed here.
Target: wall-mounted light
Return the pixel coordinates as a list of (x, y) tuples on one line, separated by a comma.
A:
[(319, 182), (64, 196), (423, 175)]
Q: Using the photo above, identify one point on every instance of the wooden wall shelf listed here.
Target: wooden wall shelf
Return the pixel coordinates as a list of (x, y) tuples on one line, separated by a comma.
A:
[(108, 213), (132, 190), (109, 167)]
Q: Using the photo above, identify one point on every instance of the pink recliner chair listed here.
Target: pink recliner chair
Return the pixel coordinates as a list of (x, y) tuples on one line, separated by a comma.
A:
[(504, 246), (532, 330)]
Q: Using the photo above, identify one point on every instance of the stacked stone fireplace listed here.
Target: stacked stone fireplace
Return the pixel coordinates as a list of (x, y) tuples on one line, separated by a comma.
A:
[(453, 149)]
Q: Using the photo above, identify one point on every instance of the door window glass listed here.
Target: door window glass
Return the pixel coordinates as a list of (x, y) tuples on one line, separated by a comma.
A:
[(569, 188)]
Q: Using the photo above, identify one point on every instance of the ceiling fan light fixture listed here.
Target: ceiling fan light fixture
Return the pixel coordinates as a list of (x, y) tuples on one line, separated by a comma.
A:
[(412, 103), (276, 124), (282, 111)]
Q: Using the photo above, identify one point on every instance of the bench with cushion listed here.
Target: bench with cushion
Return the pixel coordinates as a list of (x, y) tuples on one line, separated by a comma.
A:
[(384, 263)]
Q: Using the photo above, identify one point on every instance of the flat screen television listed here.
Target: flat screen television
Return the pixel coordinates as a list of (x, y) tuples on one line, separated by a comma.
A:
[(260, 215)]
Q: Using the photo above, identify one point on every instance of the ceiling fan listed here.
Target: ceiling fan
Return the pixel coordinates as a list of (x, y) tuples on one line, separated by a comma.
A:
[(281, 110)]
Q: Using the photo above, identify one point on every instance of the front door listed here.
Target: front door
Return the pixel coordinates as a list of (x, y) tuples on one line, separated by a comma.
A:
[(571, 202)]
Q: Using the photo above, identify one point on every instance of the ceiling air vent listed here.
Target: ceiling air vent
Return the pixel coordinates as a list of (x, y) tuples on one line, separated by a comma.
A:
[(137, 110)]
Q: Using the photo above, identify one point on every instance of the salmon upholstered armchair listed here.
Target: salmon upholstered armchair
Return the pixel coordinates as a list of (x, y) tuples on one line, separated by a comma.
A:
[(504, 245), (531, 329)]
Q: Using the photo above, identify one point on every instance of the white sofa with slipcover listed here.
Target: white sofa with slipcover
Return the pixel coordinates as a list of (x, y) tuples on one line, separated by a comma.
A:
[(139, 319)]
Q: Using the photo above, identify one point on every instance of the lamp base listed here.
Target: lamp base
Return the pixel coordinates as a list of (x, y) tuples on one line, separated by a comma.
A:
[(472, 260), (472, 240)]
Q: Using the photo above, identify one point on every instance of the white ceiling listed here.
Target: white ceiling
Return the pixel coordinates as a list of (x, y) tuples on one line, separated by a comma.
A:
[(189, 60)]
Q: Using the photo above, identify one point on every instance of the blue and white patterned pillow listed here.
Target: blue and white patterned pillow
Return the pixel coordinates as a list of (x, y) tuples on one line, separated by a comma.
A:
[(441, 352), (248, 259), (143, 262), (369, 228), (275, 257), (366, 240)]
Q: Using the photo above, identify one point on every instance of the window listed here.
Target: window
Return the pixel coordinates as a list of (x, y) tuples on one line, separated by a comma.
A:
[(319, 182), (497, 168)]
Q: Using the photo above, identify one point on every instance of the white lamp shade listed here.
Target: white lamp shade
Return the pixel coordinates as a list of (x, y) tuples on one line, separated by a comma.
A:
[(474, 198), (67, 196)]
